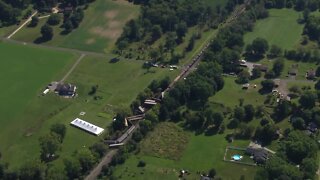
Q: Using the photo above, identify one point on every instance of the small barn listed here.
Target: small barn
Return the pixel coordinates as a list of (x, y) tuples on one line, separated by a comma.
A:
[(293, 71), (246, 86)]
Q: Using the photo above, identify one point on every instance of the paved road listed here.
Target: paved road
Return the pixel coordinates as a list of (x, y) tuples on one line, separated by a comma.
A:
[(20, 27), (72, 68)]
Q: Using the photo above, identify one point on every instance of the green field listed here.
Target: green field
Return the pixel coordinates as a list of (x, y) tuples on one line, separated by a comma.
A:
[(26, 115), (25, 72), (201, 154), (168, 141), (280, 28), (102, 25), (232, 92)]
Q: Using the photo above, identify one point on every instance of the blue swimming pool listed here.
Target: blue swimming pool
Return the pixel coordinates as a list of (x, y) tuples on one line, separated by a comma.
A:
[(236, 157)]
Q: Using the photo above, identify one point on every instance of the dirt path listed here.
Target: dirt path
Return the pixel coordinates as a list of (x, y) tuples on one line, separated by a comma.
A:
[(72, 68), (22, 25)]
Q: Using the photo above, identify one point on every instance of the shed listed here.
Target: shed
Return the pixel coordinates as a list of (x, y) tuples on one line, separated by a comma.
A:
[(246, 86), (293, 71)]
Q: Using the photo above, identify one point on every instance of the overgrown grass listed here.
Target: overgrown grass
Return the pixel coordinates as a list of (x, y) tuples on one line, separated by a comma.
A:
[(167, 141)]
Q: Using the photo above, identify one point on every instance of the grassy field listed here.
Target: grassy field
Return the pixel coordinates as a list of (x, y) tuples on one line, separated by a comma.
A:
[(20, 89), (232, 92), (168, 141), (280, 28), (201, 154), (29, 116), (102, 25)]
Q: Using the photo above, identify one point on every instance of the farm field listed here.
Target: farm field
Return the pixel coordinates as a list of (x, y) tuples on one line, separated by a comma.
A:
[(31, 116), (100, 28), (280, 28), (201, 154)]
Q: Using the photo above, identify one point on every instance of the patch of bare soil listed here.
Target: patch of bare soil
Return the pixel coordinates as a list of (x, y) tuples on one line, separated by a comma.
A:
[(90, 41)]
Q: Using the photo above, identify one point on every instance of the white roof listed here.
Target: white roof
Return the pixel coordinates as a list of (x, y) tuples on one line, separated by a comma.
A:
[(91, 128)]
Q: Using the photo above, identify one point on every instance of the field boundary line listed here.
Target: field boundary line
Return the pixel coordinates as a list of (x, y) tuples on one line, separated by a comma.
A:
[(22, 25), (72, 68)]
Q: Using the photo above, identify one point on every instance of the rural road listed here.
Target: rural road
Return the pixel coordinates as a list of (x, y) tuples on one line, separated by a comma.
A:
[(72, 68), (22, 25), (105, 160)]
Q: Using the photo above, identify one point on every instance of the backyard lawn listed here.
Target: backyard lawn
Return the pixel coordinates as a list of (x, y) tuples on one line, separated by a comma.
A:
[(280, 28)]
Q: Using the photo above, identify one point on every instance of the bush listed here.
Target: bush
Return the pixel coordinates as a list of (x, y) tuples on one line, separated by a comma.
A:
[(212, 173), (46, 32), (34, 21), (141, 164)]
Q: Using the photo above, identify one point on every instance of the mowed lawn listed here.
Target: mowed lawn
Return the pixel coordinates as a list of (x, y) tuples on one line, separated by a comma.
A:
[(201, 154), (233, 92), (24, 73), (118, 85), (280, 28), (99, 30)]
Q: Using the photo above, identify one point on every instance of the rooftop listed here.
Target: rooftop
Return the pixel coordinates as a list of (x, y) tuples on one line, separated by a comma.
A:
[(84, 125)]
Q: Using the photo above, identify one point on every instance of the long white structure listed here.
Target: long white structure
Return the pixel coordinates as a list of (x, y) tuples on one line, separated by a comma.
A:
[(91, 128)]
